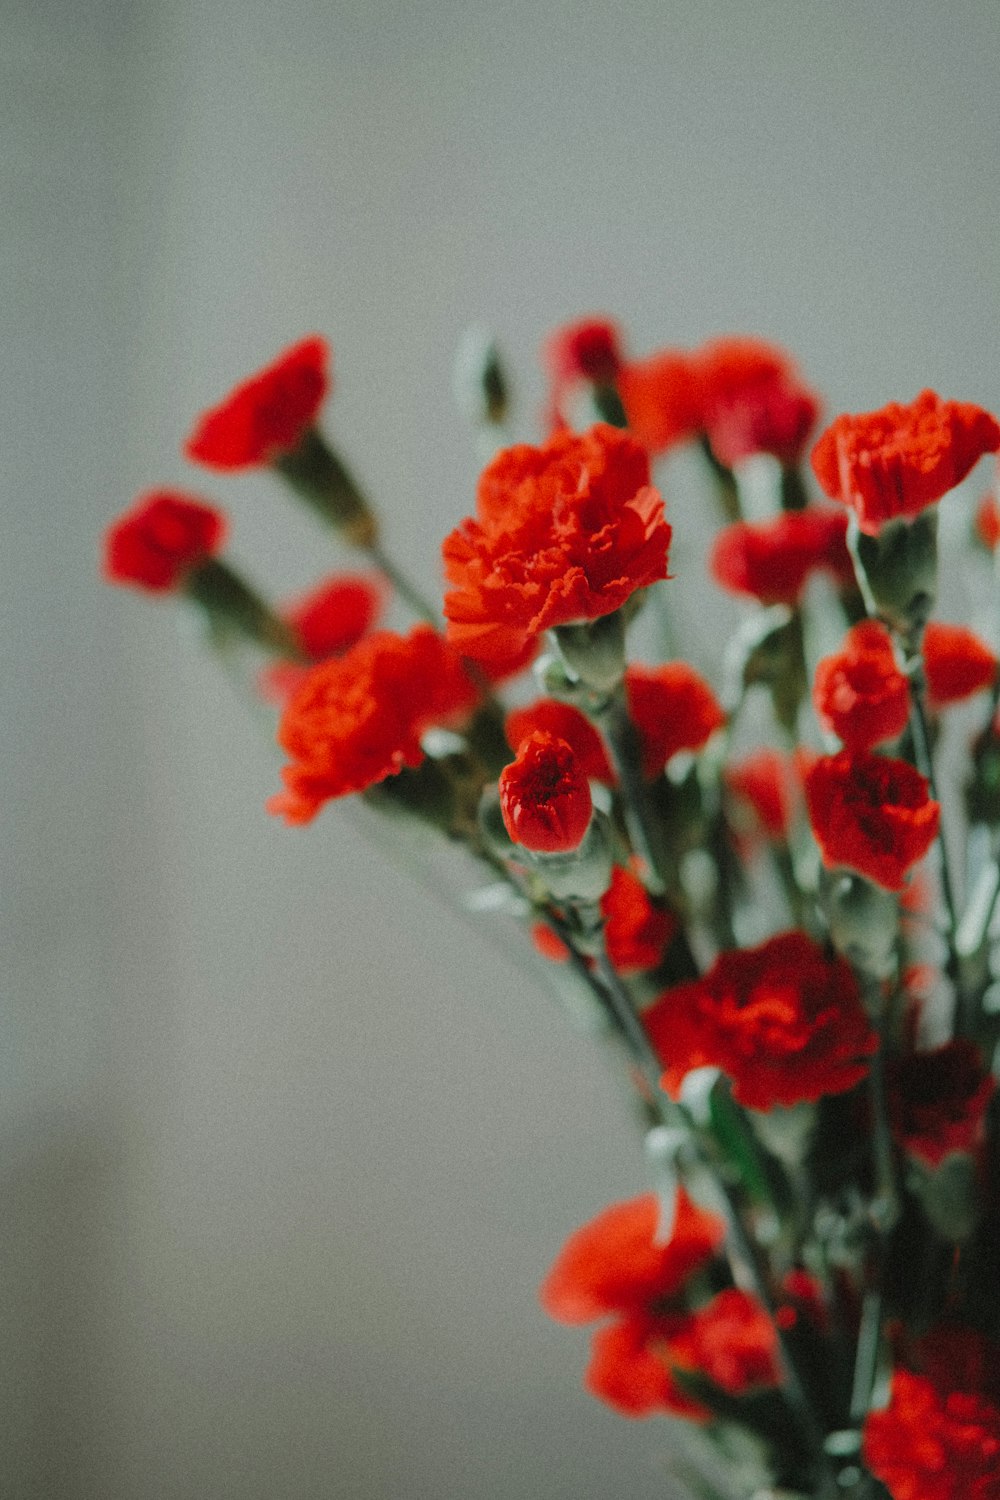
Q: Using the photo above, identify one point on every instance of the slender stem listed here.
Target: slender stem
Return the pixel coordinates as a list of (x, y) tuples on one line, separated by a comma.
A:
[(643, 826)]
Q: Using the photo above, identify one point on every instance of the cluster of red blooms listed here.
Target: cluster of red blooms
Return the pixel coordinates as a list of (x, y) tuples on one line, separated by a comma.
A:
[(591, 805)]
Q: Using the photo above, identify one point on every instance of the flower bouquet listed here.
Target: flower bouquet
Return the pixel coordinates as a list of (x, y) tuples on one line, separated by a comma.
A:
[(747, 889)]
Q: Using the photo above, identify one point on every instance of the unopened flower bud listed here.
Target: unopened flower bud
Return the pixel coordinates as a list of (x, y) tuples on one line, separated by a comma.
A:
[(480, 382)]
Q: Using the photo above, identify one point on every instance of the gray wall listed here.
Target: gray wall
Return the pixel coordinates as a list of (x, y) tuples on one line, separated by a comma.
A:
[(285, 1148)]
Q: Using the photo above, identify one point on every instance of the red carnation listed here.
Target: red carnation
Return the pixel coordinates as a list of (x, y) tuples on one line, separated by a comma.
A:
[(957, 663), (662, 399), (618, 1266), (987, 522), (782, 1020), (161, 538), (939, 1436), (771, 784), (359, 718), (564, 532), (566, 723), (732, 1342), (772, 560), (753, 401), (590, 349), (871, 814), (327, 621), (636, 931), (939, 1101), (268, 414), (545, 797), (896, 461), (860, 694), (673, 708)]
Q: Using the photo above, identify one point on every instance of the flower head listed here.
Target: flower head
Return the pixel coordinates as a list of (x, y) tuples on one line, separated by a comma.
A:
[(326, 622), (164, 535), (939, 1101), (754, 401), (872, 814), (939, 1436), (545, 796), (359, 718), (636, 930), (860, 694), (662, 399), (770, 784), (673, 708), (618, 1266), (782, 1020), (773, 560), (590, 349), (732, 1342), (896, 461), (957, 663), (268, 414), (565, 532), (566, 723)]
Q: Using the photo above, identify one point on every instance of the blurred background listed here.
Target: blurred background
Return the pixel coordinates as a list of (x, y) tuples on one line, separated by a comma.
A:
[(285, 1149)]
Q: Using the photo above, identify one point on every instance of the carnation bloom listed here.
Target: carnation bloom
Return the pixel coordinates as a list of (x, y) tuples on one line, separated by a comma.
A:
[(673, 708), (772, 560), (730, 1341), (859, 693), (770, 783), (894, 462), (636, 931), (163, 536), (661, 396), (359, 718), (987, 522), (268, 414), (939, 1436), (753, 401), (957, 663), (545, 797), (939, 1101), (782, 1020), (590, 349), (619, 1267), (871, 814), (566, 723), (326, 622), (565, 532)]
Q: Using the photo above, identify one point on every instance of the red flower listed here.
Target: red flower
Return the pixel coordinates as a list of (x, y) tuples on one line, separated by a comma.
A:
[(673, 708), (871, 814), (939, 1101), (326, 622), (545, 796), (957, 663), (358, 718), (268, 414), (772, 560), (565, 532), (987, 523), (617, 1266), (860, 694), (732, 1342), (617, 1263), (662, 399), (753, 401), (161, 538), (896, 461), (548, 943), (636, 932), (939, 1437), (590, 349), (566, 723), (771, 784), (782, 1020)]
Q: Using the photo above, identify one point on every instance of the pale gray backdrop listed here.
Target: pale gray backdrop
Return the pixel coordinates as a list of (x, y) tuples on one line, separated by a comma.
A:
[(285, 1150)]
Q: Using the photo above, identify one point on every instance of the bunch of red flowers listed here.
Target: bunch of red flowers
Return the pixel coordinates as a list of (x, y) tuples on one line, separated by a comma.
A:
[(748, 884)]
